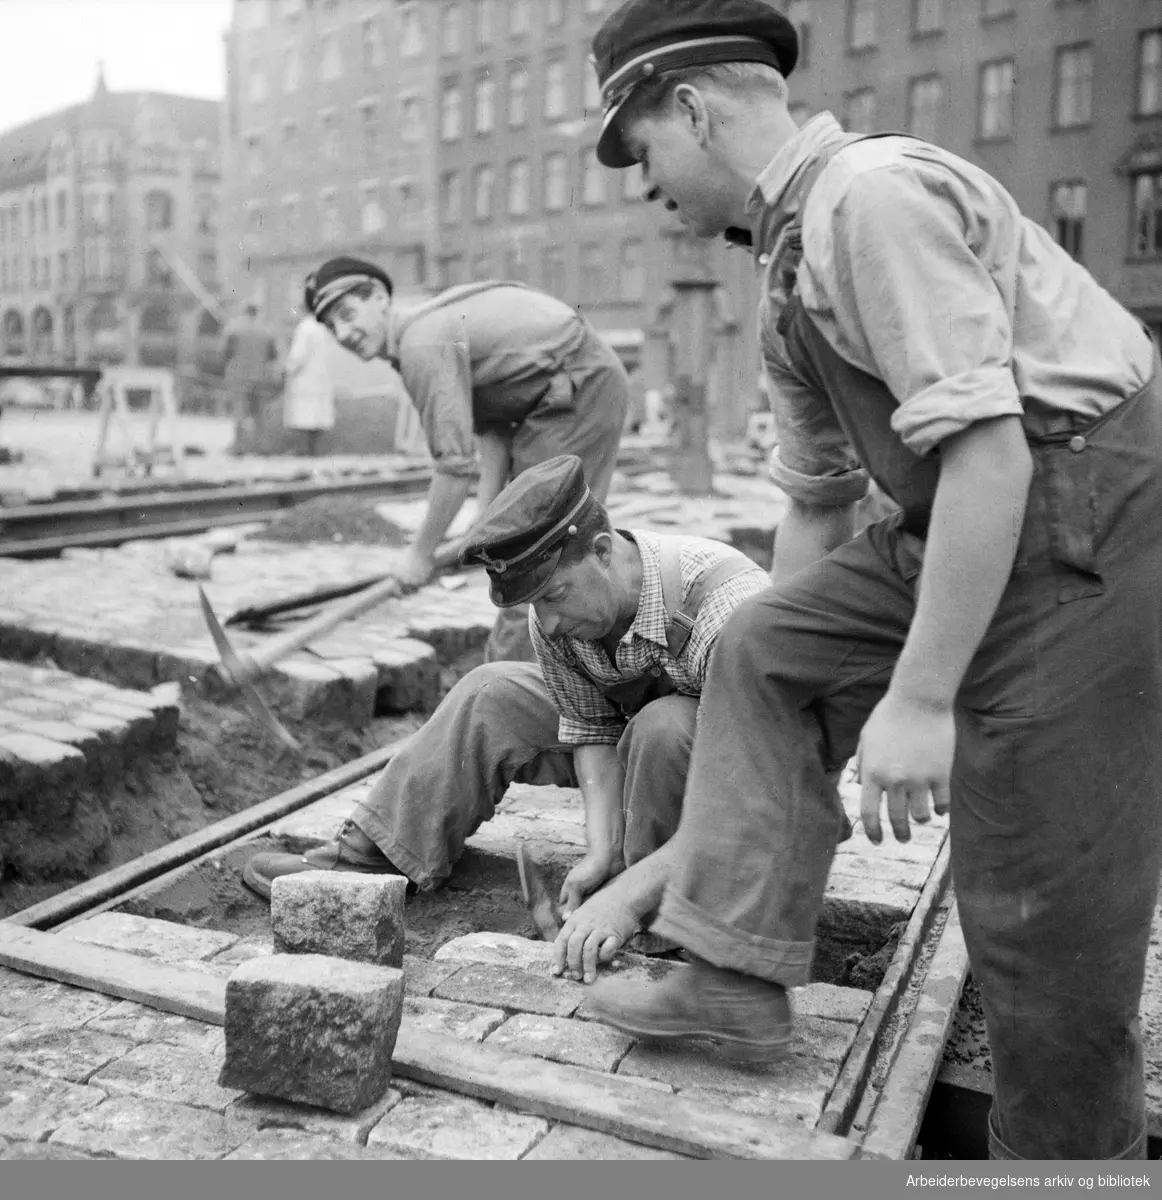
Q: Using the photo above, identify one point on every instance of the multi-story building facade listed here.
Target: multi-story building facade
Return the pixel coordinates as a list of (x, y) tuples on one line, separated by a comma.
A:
[(1061, 100), (454, 140), (108, 232)]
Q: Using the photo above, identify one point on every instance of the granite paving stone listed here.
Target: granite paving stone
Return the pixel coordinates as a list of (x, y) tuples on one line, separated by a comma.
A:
[(597, 1047), (508, 988), (151, 938), (435, 1124), (139, 1023), (130, 1127), (33, 1106), (252, 1116), (290, 1144), (29, 999), (421, 976), (572, 1142), (161, 1071), (72, 1054), (468, 1022)]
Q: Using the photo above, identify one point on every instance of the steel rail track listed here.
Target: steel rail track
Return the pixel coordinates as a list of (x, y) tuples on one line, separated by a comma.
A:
[(41, 530)]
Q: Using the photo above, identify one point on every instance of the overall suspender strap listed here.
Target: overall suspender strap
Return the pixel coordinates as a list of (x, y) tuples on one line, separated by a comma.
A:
[(683, 616)]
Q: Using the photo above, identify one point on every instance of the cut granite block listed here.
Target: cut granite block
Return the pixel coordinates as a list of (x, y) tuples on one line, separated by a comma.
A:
[(312, 1029)]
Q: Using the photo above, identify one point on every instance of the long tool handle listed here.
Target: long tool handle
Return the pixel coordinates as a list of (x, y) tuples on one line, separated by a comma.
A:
[(287, 643)]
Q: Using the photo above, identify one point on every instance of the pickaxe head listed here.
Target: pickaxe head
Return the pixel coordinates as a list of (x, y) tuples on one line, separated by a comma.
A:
[(232, 671)]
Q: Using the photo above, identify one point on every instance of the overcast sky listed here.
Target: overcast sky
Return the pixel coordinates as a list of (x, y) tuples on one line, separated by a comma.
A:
[(49, 50)]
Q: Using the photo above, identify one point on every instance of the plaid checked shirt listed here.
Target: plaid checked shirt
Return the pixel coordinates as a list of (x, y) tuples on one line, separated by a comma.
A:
[(587, 717)]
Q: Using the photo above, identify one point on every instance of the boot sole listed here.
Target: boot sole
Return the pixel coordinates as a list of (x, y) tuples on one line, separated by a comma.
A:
[(733, 1048)]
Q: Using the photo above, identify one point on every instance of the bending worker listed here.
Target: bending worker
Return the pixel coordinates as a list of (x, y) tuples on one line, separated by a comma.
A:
[(993, 647), (623, 623), (502, 376)]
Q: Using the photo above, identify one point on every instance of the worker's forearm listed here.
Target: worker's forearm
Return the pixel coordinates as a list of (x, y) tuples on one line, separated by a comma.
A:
[(972, 540), (601, 778), (446, 497), (495, 464), (640, 887), (806, 534)]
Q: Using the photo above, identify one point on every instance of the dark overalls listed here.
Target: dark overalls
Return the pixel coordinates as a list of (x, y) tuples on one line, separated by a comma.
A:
[(1055, 819)]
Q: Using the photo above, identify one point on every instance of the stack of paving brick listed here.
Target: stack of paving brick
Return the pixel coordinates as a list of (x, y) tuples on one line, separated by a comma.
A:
[(61, 734)]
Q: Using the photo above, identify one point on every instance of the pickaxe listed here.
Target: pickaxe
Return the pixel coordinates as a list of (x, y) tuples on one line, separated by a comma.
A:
[(238, 671)]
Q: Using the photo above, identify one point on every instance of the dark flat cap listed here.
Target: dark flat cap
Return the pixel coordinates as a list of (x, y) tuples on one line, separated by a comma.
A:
[(336, 277), (522, 534), (646, 37)]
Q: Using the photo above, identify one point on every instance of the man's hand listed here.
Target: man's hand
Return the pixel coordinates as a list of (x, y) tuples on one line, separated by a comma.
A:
[(586, 877), (415, 570), (905, 750), (593, 934)]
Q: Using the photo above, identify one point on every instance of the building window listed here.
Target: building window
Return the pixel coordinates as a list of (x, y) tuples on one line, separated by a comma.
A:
[(1073, 87), (451, 197), (555, 274), (518, 187), (859, 111), (556, 182), (331, 66), (207, 214), (592, 89), (1067, 215), (331, 218), (485, 103), (1147, 216), (861, 24), (208, 273), (554, 12), (518, 18), (330, 136), (369, 128), (62, 209), (995, 114), (374, 54), (411, 31), (481, 268), (485, 22), (290, 141), (556, 89), (631, 283), (631, 183), (1150, 73), (516, 264), (925, 100), (255, 159), (799, 14), (518, 97), (157, 270), (411, 119), (451, 29), (256, 92), (409, 200), (592, 282), (997, 8), (451, 111), (292, 214), (483, 187), (158, 211), (372, 217), (927, 16), (292, 69), (449, 270), (63, 269), (592, 178)]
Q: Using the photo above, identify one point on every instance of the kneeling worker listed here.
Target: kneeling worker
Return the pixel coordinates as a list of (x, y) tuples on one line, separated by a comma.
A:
[(623, 624), (503, 376)]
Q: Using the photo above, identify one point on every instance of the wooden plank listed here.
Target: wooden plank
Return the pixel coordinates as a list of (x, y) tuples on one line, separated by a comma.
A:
[(182, 990), (852, 1080), (113, 884), (895, 1120), (607, 1104)]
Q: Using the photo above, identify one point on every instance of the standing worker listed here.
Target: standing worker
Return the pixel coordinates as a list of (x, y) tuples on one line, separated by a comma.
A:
[(502, 376), (248, 351), (994, 646), (308, 399)]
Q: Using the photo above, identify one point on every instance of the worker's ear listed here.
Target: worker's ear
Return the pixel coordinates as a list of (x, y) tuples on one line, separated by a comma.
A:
[(603, 548)]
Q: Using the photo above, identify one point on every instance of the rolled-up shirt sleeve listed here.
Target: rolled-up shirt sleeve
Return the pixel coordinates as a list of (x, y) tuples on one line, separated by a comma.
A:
[(813, 461), (905, 286), (586, 716), (436, 368)]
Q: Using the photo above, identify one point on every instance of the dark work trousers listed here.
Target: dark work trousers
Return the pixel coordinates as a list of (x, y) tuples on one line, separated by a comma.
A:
[(1056, 825), (498, 726), (582, 413)]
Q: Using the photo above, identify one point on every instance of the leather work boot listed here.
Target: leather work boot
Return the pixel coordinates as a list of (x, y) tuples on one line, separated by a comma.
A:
[(748, 1017), (339, 855)]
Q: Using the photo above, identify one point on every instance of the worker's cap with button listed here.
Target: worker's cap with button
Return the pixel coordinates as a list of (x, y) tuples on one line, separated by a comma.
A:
[(338, 276), (522, 534), (647, 37)]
